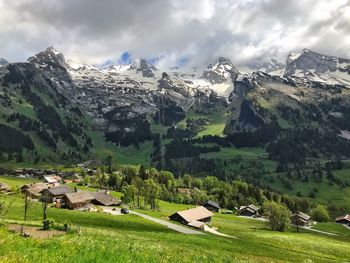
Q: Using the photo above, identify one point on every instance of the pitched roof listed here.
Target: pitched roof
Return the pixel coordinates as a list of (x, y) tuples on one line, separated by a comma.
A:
[(79, 197), (52, 178), (345, 217), (214, 204), (60, 190), (4, 186), (197, 213), (196, 224), (251, 208), (37, 188), (302, 216), (105, 199)]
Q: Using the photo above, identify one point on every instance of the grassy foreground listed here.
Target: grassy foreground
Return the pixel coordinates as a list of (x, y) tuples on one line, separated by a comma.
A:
[(128, 238)]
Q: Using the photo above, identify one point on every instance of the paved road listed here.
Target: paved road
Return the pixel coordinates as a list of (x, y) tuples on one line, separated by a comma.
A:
[(346, 226), (318, 231), (173, 226)]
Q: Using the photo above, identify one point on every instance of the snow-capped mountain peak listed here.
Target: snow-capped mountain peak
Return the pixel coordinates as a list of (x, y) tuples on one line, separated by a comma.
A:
[(221, 71), (317, 67), (49, 57), (140, 65)]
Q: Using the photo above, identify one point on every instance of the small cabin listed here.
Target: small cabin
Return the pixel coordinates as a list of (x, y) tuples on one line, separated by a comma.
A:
[(212, 206), (249, 210), (185, 217), (343, 219), (34, 190), (300, 219), (104, 199), (56, 193), (78, 200), (52, 179)]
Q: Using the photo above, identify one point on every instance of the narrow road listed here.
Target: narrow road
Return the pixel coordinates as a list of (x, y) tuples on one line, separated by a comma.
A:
[(346, 226), (178, 228), (319, 231)]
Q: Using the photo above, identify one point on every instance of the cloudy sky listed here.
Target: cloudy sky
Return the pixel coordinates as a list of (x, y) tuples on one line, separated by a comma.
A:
[(173, 32)]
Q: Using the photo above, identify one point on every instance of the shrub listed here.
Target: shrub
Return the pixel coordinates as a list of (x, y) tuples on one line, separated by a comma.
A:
[(278, 215), (320, 214)]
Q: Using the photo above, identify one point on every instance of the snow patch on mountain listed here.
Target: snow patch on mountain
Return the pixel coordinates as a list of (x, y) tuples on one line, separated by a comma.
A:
[(312, 66)]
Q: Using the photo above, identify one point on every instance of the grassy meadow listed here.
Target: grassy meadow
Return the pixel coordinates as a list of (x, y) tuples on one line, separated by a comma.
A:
[(129, 238)]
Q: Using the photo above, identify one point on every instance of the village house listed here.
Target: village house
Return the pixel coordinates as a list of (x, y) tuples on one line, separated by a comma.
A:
[(104, 199), (300, 219), (52, 179), (34, 190), (56, 193), (19, 171), (212, 206), (4, 188), (249, 210), (343, 219), (199, 214), (78, 200)]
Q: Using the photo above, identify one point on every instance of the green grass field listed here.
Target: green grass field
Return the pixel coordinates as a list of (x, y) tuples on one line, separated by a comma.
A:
[(128, 238), (327, 193), (216, 125)]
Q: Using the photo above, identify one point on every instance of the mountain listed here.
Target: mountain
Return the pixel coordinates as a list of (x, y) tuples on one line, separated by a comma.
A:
[(317, 67), (3, 62), (271, 66), (182, 121)]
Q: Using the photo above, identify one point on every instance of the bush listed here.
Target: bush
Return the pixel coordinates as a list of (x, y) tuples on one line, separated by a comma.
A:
[(278, 215), (320, 214), (48, 224)]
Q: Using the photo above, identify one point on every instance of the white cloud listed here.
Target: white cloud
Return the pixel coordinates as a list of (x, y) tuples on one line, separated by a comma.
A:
[(243, 30)]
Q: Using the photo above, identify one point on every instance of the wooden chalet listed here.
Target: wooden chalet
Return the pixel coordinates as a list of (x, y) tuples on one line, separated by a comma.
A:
[(300, 219), (343, 219), (104, 199), (55, 193), (52, 179), (200, 214), (78, 200), (249, 210), (212, 206), (4, 188), (34, 190)]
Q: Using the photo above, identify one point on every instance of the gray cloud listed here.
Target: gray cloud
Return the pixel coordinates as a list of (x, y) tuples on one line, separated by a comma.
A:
[(94, 31)]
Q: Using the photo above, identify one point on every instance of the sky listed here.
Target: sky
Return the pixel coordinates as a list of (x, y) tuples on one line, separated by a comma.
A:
[(173, 32)]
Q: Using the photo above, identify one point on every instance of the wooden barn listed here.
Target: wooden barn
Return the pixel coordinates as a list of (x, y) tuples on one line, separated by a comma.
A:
[(56, 193), (212, 206), (300, 219), (77, 199), (200, 214), (104, 199), (249, 210), (343, 219)]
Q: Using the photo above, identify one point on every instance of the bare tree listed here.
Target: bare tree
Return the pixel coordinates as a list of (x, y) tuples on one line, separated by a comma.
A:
[(45, 201), (27, 203)]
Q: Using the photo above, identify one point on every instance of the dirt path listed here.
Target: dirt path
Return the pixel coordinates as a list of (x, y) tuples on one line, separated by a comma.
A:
[(318, 231), (346, 226), (178, 228), (35, 232), (213, 231)]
